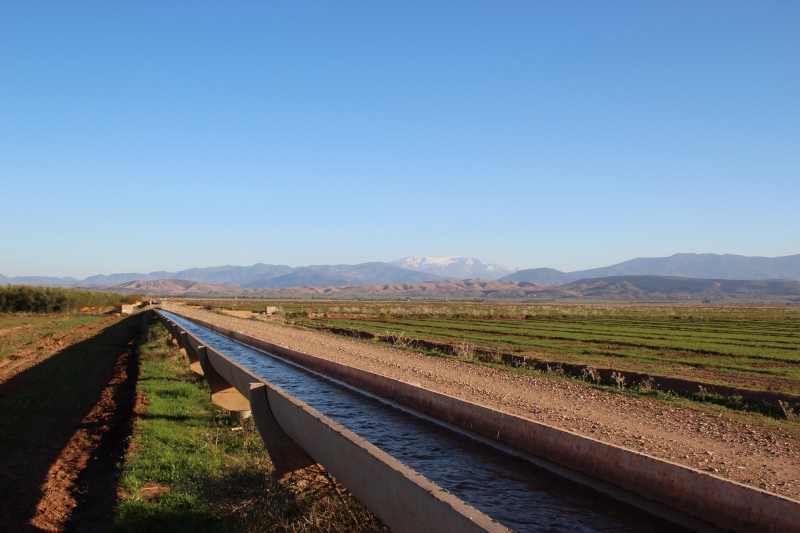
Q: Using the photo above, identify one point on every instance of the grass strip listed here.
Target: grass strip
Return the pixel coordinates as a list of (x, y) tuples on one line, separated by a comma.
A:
[(190, 468), (734, 408), (616, 348)]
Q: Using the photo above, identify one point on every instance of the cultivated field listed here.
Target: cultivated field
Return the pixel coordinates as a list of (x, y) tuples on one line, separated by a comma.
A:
[(67, 388), (748, 346)]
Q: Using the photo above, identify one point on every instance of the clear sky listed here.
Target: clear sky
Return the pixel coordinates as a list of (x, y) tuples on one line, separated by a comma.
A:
[(140, 136)]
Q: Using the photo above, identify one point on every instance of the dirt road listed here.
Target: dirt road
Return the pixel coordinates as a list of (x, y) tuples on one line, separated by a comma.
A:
[(746, 453)]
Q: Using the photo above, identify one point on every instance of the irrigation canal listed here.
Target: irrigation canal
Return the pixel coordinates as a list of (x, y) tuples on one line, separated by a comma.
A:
[(511, 490)]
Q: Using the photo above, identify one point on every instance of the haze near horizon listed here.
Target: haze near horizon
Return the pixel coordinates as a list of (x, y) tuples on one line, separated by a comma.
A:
[(143, 136)]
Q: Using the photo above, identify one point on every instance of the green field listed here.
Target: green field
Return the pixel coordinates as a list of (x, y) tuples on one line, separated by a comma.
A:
[(27, 334), (756, 347)]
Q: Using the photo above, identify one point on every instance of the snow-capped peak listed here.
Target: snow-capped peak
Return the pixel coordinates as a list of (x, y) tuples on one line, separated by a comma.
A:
[(455, 267)]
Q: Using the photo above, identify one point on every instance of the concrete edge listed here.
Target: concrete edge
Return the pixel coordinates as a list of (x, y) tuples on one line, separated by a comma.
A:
[(408, 500), (401, 497)]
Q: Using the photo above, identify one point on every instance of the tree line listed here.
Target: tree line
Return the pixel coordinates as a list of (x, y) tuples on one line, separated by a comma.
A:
[(35, 299)]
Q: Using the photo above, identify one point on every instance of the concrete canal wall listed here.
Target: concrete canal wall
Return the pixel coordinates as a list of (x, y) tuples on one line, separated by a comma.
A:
[(297, 436)]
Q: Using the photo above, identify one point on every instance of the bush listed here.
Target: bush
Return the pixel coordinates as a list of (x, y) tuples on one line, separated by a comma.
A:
[(34, 299)]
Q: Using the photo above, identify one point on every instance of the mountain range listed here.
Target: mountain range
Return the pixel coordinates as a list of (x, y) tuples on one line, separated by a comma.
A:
[(455, 267), (628, 288), (699, 266), (258, 276), (422, 269)]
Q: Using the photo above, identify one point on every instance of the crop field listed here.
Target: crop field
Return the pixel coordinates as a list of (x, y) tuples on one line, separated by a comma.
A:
[(27, 339), (750, 346), (67, 384)]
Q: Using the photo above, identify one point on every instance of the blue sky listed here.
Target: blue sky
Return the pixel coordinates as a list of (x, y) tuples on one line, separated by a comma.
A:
[(140, 136)]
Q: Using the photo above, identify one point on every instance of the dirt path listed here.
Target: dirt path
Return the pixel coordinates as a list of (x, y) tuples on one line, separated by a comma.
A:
[(64, 420), (748, 454)]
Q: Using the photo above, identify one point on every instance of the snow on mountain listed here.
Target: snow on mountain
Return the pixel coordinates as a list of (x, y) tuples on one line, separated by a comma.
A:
[(455, 267)]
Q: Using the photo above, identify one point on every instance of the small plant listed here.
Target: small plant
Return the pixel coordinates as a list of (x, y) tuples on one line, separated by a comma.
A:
[(465, 350), (619, 379), (735, 402), (788, 412), (399, 339), (647, 385), (590, 373), (402, 341), (491, 357), (703, 392), (555, 369)]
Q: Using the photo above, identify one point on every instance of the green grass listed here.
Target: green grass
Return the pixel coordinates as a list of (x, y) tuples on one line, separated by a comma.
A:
[(216, 473), (79, 320), (757, 349)]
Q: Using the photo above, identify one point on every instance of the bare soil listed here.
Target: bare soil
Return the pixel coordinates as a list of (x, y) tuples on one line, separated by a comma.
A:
[(28, 353), (238, 314), (751, 454), (58, 470)]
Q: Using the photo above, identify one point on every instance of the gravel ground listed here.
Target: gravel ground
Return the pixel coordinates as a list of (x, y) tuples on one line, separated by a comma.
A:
[(747, 453)]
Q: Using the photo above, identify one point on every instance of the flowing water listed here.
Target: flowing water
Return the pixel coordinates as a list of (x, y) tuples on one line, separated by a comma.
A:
[(511, 490)]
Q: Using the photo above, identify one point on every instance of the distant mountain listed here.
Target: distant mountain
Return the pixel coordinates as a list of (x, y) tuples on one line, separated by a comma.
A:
[(698, 266), (680, 288), (256, 276), (221, 275), (336, 275), (704, 266), (445, 288), (619, 288), (175, 287), (545, 276), (37, 280), (421, 269), (233, 275), (455, 267), (116, 279)]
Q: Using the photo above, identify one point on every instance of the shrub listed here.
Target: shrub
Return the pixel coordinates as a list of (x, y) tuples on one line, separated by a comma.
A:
[(35, 299)]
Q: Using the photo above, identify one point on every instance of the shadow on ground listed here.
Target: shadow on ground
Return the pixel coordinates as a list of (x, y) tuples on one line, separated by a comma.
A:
[(88, 391)]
